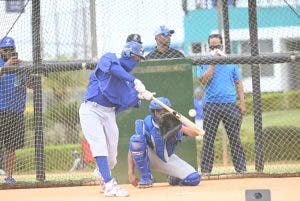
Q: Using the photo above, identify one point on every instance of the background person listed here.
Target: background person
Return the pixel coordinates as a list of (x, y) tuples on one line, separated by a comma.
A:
[(163, 50), (12, 106), (222, 86)]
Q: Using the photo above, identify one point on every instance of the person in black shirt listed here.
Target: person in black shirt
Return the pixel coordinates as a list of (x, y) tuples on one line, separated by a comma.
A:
[(134, 37), (163, 50)]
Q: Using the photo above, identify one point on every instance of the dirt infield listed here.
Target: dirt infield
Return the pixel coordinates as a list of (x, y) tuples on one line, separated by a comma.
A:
[(282, 189)]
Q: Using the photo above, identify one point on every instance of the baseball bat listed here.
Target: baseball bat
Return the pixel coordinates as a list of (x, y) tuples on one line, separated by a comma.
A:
[(180, 117)]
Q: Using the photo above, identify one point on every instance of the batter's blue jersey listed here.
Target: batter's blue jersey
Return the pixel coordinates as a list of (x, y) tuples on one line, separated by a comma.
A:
[(111, 85), (12, 92), (221, 88)]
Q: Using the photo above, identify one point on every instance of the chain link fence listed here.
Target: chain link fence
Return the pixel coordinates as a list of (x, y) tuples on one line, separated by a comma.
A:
[(59, 43)]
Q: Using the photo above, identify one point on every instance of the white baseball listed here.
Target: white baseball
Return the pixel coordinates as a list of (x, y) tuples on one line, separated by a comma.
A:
[(192, 112)]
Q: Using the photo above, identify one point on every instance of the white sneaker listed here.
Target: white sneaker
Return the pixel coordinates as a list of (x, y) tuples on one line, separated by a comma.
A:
[(2, 172), (113, 190)]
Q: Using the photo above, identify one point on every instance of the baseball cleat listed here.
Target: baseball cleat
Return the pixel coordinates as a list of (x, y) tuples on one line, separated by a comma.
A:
[(145, 183), (174, 181), (112, 189)]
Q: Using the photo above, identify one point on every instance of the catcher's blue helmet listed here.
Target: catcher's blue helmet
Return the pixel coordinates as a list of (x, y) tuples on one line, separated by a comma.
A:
[(155, 106), (133, 47)]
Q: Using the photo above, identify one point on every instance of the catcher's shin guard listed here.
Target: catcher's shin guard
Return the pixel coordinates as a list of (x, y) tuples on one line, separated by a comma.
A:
[(192, 179), (145, 183), (139, 153)]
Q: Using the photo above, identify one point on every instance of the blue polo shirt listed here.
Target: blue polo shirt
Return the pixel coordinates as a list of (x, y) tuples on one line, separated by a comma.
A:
[(12, 95), (221, 88)]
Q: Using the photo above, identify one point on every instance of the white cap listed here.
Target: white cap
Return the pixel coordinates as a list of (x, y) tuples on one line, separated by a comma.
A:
[(163, 30)]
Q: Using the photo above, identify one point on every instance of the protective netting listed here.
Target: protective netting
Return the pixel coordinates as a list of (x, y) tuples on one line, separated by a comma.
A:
[(268, 86), (74, 34)]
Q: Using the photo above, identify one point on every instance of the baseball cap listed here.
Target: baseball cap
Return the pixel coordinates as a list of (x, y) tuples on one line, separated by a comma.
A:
[(7, 42), (163, 30), (134, 37)]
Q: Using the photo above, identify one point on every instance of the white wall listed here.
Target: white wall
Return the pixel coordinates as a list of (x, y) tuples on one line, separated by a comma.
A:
[(278, 82)]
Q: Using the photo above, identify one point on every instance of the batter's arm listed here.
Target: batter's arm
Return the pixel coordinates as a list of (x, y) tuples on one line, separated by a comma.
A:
[(131, 174), (119, 72)]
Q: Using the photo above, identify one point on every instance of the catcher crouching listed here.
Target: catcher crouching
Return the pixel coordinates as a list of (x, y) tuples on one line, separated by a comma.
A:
[(152, 147)]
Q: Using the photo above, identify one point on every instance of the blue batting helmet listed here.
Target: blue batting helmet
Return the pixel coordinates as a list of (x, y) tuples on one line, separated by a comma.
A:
[(133, 47), (155, 106)]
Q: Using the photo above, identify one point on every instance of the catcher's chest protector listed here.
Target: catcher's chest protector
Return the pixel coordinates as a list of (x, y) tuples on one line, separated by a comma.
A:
[(162, 148)]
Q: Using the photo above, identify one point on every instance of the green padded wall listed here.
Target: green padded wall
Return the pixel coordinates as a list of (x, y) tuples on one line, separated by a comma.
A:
[(169, 78)]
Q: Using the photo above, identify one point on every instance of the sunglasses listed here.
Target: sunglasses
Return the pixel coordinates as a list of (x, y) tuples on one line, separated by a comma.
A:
[(215, 47), (166, 34)]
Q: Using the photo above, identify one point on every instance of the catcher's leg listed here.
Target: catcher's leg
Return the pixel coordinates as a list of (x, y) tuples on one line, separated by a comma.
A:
[(138, 150), (173, 181), (191, 180)]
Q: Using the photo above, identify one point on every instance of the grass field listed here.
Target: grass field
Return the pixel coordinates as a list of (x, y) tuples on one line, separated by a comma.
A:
[(274, 118), (222, 152), (87, 176)]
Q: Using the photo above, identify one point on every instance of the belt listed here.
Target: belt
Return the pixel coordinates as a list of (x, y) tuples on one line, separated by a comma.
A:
[(94, 104)]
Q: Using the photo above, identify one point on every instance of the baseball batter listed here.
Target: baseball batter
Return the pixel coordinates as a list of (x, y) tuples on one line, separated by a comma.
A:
[(111, 89), (149, 149)]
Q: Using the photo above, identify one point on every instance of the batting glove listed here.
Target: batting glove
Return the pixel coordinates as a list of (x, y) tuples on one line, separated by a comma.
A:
[(146, 95), (139, 86)]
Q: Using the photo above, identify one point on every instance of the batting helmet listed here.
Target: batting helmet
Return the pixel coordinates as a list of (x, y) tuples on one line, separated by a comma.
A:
[(155, 106), (133, 47)]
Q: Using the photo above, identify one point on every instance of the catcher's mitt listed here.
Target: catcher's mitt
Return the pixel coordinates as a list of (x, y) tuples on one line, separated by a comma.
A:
[(169, 125)]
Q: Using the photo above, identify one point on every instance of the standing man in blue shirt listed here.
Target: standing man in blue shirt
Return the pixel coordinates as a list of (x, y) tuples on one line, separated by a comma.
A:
[(12, 106), (222, 84), (111, 89)]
